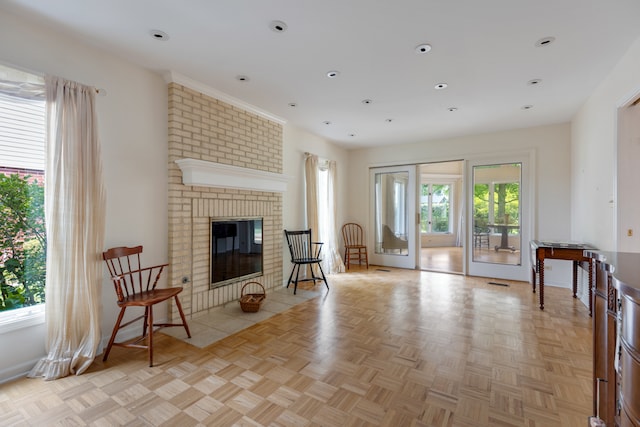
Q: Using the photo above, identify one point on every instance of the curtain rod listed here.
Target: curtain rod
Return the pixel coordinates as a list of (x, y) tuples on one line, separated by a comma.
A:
[(99, 91)]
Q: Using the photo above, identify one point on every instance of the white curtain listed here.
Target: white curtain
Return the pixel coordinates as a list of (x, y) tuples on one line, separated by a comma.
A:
[(324, 230), (333, 260), (311, 190), (75, 218)]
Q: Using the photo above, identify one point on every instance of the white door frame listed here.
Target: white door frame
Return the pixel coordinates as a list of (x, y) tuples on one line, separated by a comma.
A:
[(400, 260), (527, 190)]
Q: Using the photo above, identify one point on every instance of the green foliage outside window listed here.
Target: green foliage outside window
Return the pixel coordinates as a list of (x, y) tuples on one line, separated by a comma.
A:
[(506, 204), (22, 242)]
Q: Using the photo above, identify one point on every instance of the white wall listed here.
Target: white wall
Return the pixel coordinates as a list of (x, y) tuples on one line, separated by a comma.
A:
[(132, 120), (296, 143), (594, 133), (551, 145)]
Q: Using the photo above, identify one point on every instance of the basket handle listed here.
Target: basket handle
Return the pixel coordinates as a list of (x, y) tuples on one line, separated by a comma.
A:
[(249, 283)]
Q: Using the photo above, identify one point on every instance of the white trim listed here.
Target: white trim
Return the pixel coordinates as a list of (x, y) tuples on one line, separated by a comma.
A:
[(17, 371), (211, 174), (172, 76), (21, 318)]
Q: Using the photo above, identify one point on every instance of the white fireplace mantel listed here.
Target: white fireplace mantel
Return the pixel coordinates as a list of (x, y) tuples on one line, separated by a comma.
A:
[(210, 174)]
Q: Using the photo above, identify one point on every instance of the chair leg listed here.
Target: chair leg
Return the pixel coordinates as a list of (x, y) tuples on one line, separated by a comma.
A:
[(184, 321), (295, 286), (150, 314), (346, 257), (113, 334), (323, 277), (145, 325), (291, 275)]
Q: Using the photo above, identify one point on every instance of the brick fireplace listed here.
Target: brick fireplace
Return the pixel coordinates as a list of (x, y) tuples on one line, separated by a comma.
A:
[(209, 131)]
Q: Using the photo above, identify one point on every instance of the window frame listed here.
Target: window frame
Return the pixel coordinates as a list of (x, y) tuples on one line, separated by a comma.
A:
[(33, 315)]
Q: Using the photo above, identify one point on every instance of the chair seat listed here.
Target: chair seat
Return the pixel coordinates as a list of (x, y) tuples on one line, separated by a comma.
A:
[(145, 299), (307, 260)]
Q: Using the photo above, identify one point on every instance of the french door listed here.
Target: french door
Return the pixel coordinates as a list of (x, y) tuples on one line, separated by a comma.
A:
[(499, 216), (394, 197)]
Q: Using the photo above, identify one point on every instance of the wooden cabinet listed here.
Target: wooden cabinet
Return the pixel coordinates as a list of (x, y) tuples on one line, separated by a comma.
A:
[(629, 348), (616, 337), (604, 339)]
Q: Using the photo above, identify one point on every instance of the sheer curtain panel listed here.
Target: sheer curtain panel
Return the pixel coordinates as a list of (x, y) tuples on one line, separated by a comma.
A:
[(325, 230), (75, 218), (335, 264), (311, 190)]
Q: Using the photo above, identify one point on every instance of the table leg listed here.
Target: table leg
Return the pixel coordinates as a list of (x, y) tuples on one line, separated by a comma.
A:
[(590, 289), (504, 238), (541, 271), (536, 268), (575, 279)]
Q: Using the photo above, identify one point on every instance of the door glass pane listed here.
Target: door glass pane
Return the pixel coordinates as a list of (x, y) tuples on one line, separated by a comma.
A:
[(440, 198), (496, 213), (435, 207), (391, 220)]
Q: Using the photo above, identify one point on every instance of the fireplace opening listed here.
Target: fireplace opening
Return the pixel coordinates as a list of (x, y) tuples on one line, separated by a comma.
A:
[(236, 250)]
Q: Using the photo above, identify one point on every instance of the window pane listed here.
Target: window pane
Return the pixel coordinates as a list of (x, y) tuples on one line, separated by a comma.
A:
[(424, 208), (496, 214), (391, 220), (22, 232), (440, 207)]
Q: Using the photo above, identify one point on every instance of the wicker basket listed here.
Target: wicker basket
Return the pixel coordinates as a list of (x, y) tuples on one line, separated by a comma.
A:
[(250, 303)]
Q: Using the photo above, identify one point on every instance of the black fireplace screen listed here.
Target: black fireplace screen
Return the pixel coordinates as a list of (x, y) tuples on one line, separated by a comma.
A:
[(236, 250)]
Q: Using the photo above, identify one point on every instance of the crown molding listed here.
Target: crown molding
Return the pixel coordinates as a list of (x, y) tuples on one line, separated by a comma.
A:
[(173, 77), (210, 174)]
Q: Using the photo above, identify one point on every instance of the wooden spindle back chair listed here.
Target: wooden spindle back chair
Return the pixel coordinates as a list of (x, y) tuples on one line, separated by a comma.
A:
[(304, 252), (355, 247), (135, 286)]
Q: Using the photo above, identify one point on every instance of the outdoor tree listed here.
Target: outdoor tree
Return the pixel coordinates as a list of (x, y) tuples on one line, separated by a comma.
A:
[(22, 242)]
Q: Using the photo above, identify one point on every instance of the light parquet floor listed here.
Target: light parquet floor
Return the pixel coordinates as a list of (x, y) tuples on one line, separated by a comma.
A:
[(396, 348)]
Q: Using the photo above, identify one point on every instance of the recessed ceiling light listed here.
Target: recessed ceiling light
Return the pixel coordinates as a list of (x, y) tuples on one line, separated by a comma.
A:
[(367, 101), (293, 104), (242, 78), (326, 122), (278, 26), (423, 48), (441, 86), (333, 74), (534, 82), (527, 107), (159, 35), (545, 41), (452, 109)]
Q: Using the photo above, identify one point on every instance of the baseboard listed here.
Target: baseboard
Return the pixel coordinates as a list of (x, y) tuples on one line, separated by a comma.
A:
[(17, 371)]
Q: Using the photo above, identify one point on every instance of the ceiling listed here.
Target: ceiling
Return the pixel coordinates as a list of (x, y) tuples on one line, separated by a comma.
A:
[(485, 51)]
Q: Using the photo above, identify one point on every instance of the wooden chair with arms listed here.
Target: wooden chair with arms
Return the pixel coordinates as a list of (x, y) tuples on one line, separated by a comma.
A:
[(135, 286), (304, 252), (354, 244)]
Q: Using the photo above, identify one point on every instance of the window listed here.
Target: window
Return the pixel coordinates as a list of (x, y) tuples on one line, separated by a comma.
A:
[(22, 232), (435, 208)]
